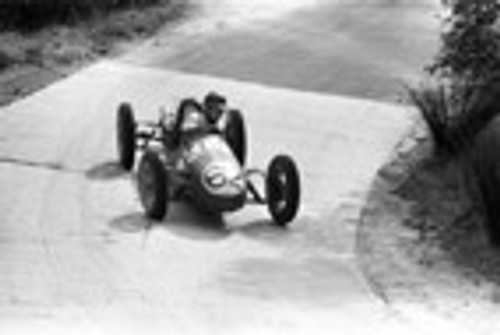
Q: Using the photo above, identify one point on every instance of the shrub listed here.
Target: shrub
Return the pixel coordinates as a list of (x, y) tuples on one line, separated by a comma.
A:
[(470, 43), (454, 113), (461, 109), (467, 68)]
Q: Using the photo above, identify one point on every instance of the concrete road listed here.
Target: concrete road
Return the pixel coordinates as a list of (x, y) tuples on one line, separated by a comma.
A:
[(77, 256), (362, 48)]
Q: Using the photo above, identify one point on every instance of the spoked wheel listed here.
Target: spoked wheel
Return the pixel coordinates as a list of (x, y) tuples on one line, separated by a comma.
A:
[(283, 189), (153, 182), (235, 134), (126, 136)]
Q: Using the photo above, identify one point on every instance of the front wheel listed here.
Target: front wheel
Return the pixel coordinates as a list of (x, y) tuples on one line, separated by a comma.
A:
[(153, 183), (283, 189), (125, 132)]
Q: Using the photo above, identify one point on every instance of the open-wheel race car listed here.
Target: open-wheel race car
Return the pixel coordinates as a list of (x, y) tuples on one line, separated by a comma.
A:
[(198, 152)]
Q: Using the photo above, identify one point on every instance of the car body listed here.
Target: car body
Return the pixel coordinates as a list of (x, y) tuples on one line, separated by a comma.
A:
[(204, 163)]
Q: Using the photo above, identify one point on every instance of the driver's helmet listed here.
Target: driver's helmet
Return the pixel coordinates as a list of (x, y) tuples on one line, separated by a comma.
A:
[(214, 104)]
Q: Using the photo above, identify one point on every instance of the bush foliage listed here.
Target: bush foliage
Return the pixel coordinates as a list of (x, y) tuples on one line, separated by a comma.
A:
[(471, 41), (467, 72), (466, 100)]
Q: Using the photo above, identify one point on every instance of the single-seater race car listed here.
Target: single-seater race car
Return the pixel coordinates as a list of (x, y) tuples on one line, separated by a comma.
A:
[(198, 153)]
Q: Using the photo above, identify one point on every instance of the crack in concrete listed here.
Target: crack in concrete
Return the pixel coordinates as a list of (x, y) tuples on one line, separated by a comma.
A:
[(34, 164)]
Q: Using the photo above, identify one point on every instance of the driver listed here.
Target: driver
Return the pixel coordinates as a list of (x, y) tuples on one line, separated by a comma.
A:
[(214, 105)]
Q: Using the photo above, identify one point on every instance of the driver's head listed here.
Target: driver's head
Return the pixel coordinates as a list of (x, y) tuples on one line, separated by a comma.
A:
[(214, 106)]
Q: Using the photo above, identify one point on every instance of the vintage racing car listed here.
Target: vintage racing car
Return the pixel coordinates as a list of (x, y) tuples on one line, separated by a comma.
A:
[(198, 153)]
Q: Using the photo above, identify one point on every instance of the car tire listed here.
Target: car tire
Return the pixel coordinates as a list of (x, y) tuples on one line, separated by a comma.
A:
[(283, 189), (235, 134), (153, 183), (126, 129)]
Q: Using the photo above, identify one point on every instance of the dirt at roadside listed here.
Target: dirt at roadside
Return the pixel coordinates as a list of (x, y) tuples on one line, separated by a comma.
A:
[(421, 242), (31, 61)]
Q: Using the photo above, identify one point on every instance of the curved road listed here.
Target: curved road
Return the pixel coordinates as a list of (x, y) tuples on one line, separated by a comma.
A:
[(362, 48), (76, 255)]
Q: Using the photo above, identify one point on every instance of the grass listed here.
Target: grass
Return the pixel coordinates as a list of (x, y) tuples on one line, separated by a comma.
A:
[(433, 103), (34, 55), (71, 31)]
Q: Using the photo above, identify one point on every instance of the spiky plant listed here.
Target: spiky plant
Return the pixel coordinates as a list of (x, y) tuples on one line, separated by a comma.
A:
[(456, 112)]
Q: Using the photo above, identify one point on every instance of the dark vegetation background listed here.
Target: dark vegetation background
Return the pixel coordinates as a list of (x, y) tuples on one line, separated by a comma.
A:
[(34, 14)]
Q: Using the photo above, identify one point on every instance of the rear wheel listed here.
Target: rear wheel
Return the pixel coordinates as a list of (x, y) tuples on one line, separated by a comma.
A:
[(153, 183), (235, 134), (283, 189), (126, 136)]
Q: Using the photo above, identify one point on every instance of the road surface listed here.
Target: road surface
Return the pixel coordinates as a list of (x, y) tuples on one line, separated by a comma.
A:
[(76, 254), (363, 48)]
